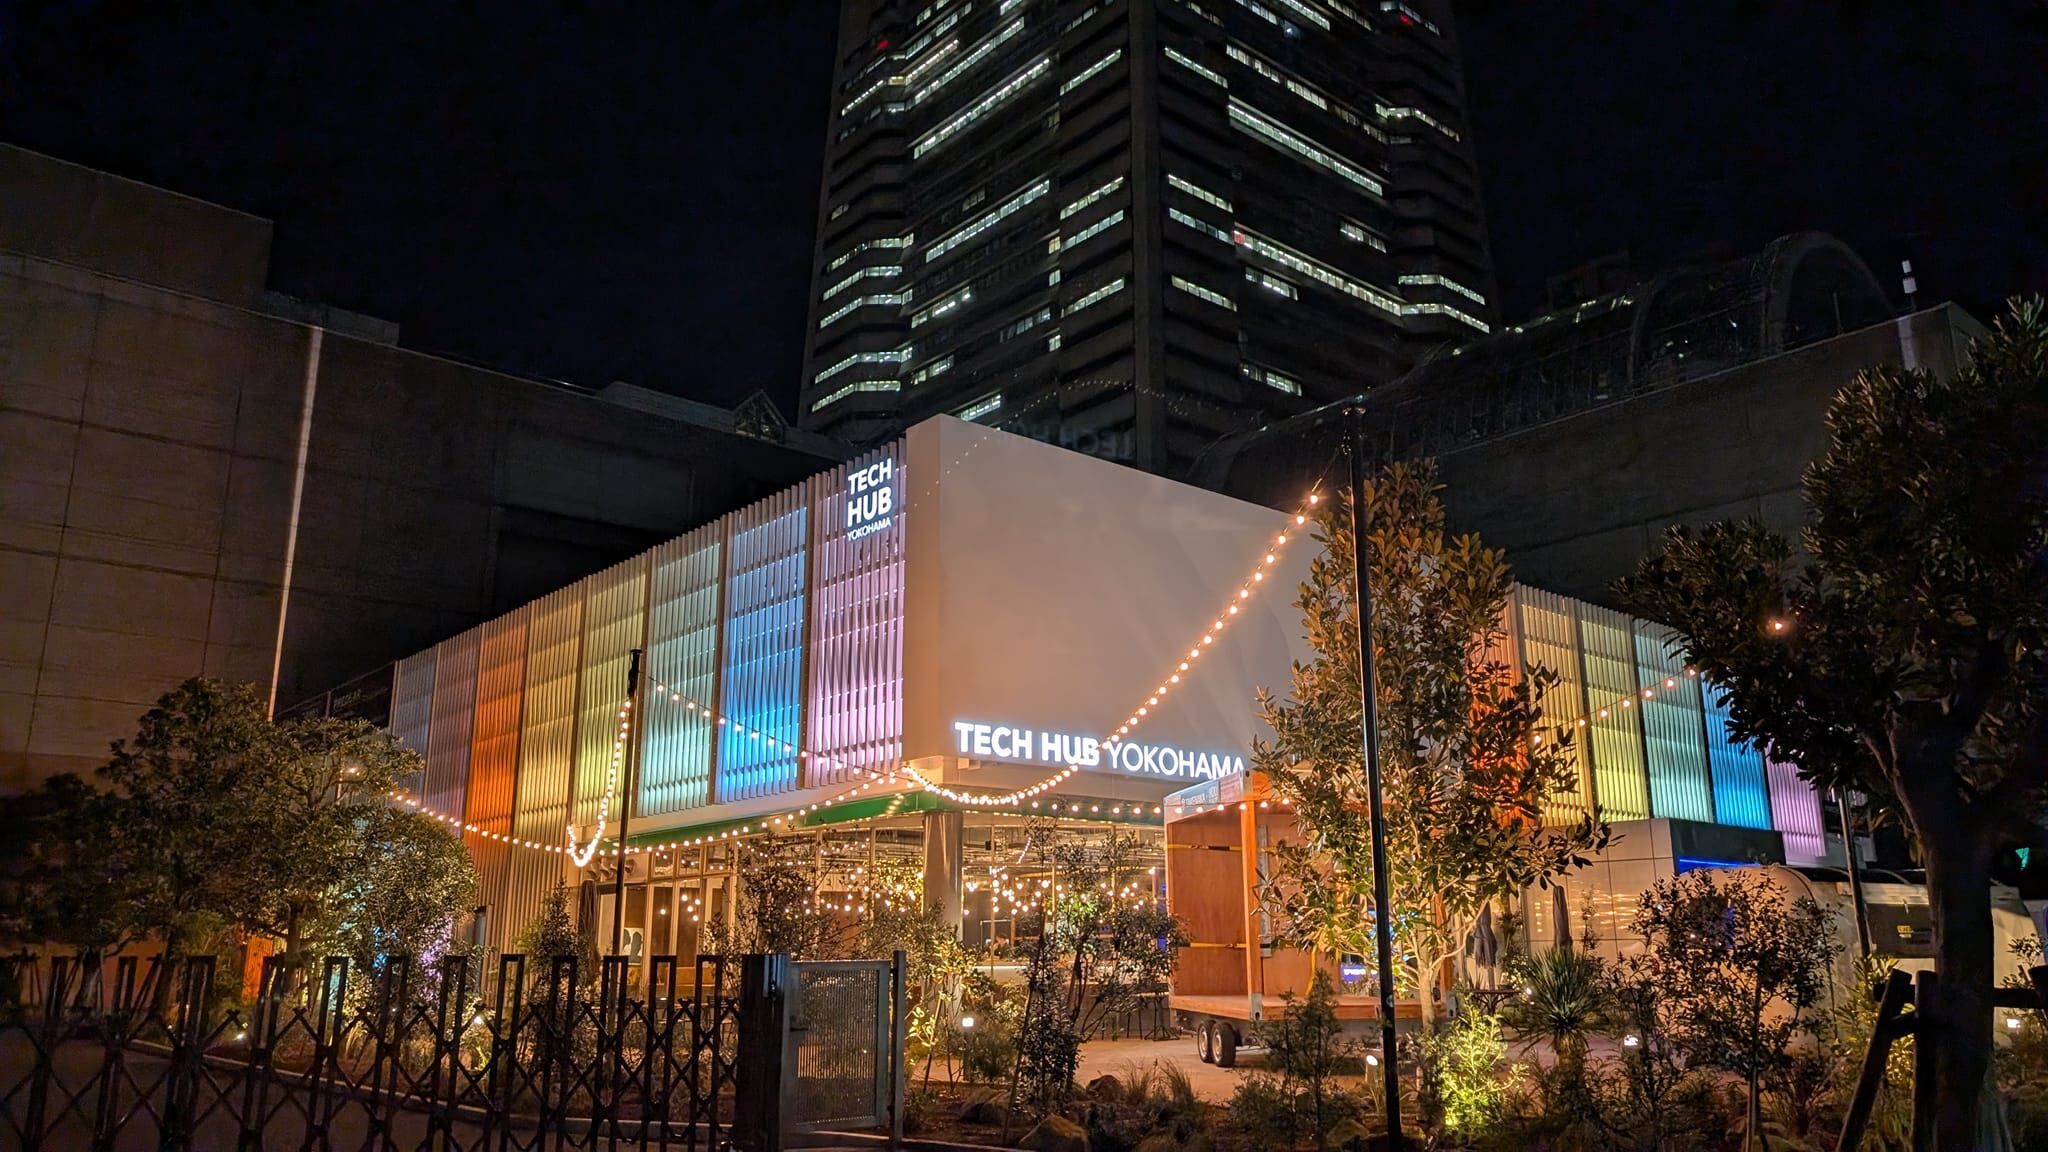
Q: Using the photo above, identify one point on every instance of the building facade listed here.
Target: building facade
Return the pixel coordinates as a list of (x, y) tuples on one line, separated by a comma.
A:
[(939, 655), (198, 477), (1132, 228), (1575, 439)]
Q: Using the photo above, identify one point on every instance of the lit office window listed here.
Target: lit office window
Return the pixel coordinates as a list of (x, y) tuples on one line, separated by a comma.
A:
[(986, 221), (1431, 309), (1091, 71), (1209, 74), (1094, 229), (966, 63), (1288, 140), (1095, 297), (1198, 192), (1201, 293), (942, 306), (982, 107), (863, 274), (842, 393), (1315, 270), (878, 300), (1199, 225), (1272, 283), (1091, 197), (888, 356), (1431, 279), (982, 407)]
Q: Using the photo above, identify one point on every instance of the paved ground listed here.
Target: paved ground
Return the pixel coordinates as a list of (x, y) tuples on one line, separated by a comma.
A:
[(1120, 1057)]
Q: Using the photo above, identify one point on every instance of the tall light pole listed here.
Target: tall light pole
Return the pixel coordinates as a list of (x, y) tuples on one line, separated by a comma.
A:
[(626, 798), (1369, 717)]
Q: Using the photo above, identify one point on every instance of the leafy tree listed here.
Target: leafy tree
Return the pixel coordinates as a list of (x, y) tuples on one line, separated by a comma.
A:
[(313, 815), (1905, 653), (1739, 968), (1656, 1101), (1465, 776), (403, 889), (1854, 1021), (214, 816), (183, 786), (1098, 951), (937, 963), (66, 870), (778, 909)]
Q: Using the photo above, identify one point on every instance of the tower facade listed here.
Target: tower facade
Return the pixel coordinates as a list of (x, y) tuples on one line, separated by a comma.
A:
[(1134, 227)]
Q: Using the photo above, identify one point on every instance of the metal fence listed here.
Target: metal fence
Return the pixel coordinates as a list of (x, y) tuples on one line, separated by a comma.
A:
[(141, 1054), (843, 1062)]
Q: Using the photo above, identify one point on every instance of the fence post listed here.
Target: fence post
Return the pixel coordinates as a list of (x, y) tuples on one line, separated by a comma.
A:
[(508, 1015), (1926, 1058), (188, 1051), (899, 974), (263, 1033), (118, 1025), (764, 1028), (448, 1028), (54, 1018)]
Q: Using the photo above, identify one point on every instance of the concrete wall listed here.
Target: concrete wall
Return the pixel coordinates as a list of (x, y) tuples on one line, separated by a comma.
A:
[(149, 443), (95, 220), (1577, 503)]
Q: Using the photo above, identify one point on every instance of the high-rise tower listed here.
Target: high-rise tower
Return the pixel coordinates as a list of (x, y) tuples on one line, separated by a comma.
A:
[(1132, 227)]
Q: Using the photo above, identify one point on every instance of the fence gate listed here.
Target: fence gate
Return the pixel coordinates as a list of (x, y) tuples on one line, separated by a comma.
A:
[(329, 1056), (843, 1049)]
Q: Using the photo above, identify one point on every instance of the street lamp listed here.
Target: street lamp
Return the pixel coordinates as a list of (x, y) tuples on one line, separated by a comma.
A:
[(1369, 709)]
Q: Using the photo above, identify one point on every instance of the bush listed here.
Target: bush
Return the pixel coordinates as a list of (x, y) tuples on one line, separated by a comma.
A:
[(1473, 1090), (1262, 1109)]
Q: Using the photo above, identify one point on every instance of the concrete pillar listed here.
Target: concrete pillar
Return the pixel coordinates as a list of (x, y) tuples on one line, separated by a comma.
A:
[(943, 863)]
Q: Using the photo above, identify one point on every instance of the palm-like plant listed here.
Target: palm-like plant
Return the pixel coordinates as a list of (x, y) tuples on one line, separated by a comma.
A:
[(1563, 1000)]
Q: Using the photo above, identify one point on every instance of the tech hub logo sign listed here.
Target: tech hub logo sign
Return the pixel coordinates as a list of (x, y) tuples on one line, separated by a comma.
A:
[(870, 499), (1066, 749)]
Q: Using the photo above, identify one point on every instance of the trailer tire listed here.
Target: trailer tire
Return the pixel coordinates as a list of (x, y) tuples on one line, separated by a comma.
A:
[(1205, 1041), (1226, 1046)]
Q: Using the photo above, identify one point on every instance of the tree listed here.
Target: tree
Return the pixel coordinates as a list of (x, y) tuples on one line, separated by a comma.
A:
[(314, 816), (1905, 654), (403, 888), (1738, 968), (552, 934), (67, 875), (778, 908), (1465, 769), (183, 784), (1100, 948)]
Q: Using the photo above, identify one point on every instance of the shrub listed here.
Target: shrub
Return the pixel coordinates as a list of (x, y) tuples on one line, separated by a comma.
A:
[(1472, 1088)]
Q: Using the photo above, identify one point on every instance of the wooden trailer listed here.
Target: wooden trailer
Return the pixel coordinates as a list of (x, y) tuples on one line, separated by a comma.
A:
[(1223, 987)]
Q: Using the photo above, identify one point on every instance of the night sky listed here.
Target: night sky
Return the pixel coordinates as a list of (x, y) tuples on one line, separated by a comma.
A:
[(631, 195)]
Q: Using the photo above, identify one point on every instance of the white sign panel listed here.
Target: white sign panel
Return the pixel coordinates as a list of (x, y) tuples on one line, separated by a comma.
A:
[(1064, 749), (870, 498)]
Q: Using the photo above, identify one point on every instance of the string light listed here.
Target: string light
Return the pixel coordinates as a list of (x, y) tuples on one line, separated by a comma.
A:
[(581, 856), (1230, 608), (1628, 701)]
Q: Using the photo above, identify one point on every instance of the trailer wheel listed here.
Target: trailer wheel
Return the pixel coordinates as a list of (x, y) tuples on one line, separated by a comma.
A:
[(1226, 1046), (1205, 1041)]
